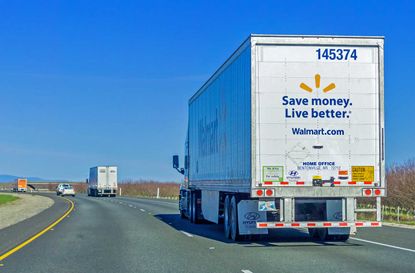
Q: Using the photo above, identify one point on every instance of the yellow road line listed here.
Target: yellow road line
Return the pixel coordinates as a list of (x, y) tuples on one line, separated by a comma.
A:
[(34, 237)]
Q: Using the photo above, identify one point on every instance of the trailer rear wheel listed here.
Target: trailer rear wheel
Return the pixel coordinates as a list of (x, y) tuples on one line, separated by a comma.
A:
[(338, 238), (234, 220), (194, 208), (182, 215), (226, 221), (323, 234), (313, 233)]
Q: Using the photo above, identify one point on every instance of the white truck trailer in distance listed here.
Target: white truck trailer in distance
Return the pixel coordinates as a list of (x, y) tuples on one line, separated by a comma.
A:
[(288, 133), (102, 181)]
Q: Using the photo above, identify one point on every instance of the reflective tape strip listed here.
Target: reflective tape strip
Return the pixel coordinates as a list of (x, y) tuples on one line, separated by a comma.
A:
[(317, 224), (310, 184)]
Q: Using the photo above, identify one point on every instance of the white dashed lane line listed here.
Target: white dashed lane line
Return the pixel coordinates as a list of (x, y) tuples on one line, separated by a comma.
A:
[(143, 210), (376, 243), (186, 233)]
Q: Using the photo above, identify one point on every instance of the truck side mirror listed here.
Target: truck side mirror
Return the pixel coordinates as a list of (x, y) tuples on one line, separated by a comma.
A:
[(176, 164), (175, 161)]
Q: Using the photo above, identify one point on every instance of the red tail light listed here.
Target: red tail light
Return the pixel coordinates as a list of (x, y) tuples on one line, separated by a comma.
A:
[(368, 192)]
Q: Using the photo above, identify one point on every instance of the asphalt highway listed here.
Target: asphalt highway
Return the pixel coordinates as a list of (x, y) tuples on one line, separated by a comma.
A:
[(146, 235)]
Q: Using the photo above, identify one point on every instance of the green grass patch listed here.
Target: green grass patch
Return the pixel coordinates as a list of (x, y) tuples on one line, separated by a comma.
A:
[(6, 198)]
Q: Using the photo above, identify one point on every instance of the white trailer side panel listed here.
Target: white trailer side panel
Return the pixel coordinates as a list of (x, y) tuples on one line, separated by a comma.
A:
[(318, 113), (220, 128)]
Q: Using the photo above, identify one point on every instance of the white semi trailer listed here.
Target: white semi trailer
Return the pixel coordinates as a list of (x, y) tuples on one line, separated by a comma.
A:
[(288, 133), (102, 181)]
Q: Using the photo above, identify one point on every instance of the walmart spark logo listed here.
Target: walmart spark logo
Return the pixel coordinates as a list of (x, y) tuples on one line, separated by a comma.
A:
[(317, 78)]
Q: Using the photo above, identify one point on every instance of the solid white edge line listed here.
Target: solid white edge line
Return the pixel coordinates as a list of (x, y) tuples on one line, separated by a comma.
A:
[(186, 233), (376, 243)]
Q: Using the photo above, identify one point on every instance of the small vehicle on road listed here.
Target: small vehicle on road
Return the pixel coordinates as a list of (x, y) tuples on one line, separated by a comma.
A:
[(68, 190), (61, 187)]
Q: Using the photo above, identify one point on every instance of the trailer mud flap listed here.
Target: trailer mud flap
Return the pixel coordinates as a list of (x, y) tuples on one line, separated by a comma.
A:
[(248, 216)]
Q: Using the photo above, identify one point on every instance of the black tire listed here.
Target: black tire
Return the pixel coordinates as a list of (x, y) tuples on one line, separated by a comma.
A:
[(191, 208), (195, 211), (323, 234), (313, 233), (234, 220), (73, 195), (338, 238), (226, 222), (182, 215)]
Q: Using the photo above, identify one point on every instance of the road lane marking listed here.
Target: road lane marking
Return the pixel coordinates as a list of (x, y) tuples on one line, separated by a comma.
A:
[(34, 237), (376, 243), (246, 271), (143, 210), (186, 233)]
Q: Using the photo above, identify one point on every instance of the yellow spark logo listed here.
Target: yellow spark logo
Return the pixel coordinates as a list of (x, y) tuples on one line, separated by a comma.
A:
[(317, 78)]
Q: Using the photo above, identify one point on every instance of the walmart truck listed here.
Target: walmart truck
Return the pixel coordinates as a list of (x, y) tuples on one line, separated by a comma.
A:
[(288, 133)]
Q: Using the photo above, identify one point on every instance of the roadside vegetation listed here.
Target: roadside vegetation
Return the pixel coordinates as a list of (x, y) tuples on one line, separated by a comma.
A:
[(399, 205), (146, 188), (6, 198)]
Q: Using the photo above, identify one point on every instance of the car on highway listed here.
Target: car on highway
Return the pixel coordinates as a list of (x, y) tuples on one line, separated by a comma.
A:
[(61, 187), (68, 190)]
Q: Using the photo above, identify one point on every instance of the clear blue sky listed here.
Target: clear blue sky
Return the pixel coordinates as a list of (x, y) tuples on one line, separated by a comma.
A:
[(84, 83)]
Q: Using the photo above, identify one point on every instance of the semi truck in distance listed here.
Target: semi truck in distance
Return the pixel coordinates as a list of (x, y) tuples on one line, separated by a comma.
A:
[(288, 133), (102, 181), (21, 184)]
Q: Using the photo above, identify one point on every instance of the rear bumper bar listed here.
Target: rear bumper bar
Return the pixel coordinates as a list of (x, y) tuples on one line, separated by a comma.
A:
[(323, 224)]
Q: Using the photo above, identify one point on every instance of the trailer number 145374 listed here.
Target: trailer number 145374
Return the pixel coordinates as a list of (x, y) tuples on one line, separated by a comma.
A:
[(336, 54)]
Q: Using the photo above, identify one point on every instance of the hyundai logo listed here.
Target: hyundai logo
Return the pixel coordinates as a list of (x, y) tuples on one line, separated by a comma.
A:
[(293, 173), (252, 216)]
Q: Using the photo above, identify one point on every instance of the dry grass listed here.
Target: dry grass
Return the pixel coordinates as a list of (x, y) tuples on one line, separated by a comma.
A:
[(401, 185), (149, 188)]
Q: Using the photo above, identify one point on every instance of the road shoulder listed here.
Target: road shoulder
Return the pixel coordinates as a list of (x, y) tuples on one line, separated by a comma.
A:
[(21, 231), (28, 205)]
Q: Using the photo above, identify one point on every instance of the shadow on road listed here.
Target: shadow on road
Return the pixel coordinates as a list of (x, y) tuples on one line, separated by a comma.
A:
[(276, 238)]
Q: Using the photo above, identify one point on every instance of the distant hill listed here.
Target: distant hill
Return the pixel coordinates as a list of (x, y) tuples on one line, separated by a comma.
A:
[(6, 178)]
